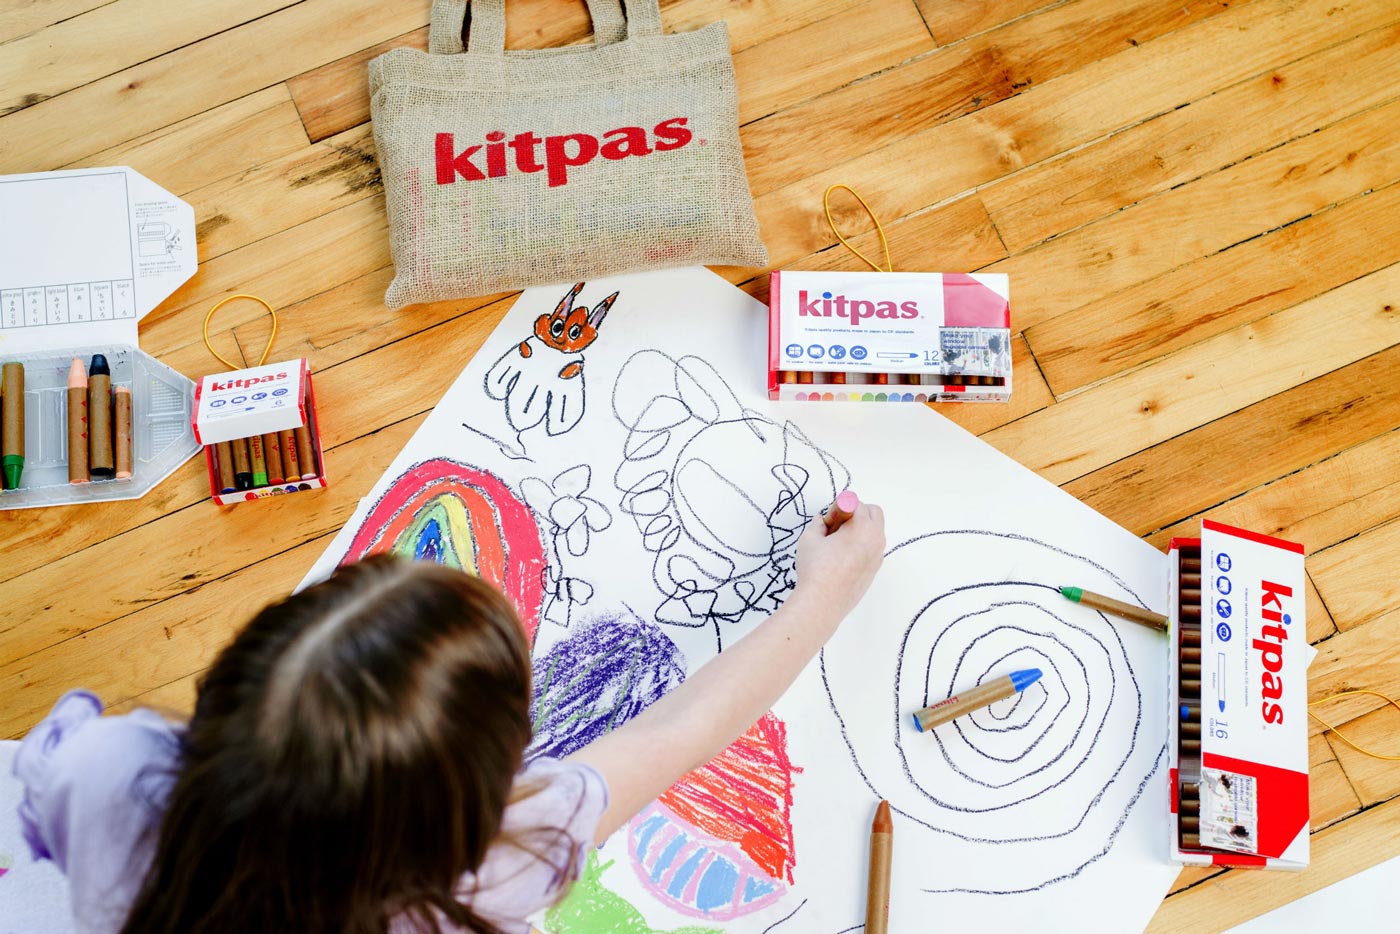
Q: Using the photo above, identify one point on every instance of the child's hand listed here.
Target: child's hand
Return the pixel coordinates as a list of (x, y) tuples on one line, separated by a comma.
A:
[(837, 568)]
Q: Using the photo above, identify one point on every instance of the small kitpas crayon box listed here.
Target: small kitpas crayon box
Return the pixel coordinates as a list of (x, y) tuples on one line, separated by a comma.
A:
[(260, 432), (889, 337), (1239, 719)]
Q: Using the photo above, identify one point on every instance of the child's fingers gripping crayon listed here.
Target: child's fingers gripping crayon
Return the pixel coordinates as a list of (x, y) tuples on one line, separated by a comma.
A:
[(840, 510)]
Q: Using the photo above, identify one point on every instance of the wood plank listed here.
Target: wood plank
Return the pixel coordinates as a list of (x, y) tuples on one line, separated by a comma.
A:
[(1194, 875), (1215, 293), (196, 77), (1237, 452), (1029, 393), (1177, 147), (1338, 851), (335, 97), (1050, 118), (1243, 201), (1320, 623), (227, 139), (871, 37), (285, 268), (1320, 505), (951, 20), (109, 38), (1357, 578), (1374, 780), (281, 193), (1330, 795), (19, 19), (958, 80), (1365, 657), (1204, 382)]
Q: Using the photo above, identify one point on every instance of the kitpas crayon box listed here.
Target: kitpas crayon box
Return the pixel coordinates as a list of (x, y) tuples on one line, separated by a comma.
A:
[(889, 337), (1239, 722), (260, 432)]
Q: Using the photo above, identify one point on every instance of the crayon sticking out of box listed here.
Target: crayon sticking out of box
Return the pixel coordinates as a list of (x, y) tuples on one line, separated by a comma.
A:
[(1238, 734), (260, 432), (889, 337)]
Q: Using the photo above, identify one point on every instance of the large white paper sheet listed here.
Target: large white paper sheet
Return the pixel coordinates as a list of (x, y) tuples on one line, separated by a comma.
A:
[(639, 498)]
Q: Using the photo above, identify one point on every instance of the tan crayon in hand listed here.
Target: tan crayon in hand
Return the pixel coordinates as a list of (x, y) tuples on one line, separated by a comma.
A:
[(984, 695), (877, 896), (841, 510)]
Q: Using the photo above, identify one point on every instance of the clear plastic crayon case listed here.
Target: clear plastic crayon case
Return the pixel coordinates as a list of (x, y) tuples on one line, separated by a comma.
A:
[(162, 437)]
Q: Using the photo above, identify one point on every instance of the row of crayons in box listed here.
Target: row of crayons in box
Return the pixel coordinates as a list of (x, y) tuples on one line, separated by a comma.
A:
[(265, 460), (803, 377), (1189, 691), (99, 424)]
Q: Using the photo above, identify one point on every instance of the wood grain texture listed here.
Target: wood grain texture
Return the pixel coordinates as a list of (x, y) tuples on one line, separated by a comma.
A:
[(1198, 203)]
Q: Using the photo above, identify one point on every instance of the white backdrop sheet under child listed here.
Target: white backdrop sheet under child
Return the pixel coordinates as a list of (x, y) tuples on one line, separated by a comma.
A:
[(33, 893), (643, 513)]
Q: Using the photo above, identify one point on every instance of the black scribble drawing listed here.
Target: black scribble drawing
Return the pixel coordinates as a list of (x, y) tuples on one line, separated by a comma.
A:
[(541, 380), (1048, 770), (718, 492), (569, 517)]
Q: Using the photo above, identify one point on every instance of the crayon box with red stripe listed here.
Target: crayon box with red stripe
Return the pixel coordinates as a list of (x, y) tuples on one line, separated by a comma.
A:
[(889, 337), (1238, 735), (260, 432)]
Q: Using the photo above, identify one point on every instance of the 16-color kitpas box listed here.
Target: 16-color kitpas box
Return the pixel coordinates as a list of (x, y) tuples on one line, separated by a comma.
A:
[(1238, 733), (243, 407), (889, 337)]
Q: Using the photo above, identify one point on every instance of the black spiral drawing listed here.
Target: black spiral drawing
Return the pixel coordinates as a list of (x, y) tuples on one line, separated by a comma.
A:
[(719, 493), (1026, 793)]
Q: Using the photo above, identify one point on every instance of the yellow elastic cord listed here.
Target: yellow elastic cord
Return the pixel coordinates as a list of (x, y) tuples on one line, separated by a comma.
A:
[(270, 338), (826, 203), (1339, 694)]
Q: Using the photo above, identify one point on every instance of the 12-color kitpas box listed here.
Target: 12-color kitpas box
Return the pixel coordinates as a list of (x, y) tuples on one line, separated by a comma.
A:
[(276, 401), (889, 337), (1239, 718)]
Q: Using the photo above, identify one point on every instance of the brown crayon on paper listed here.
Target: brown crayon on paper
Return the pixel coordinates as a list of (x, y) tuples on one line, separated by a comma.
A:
[(305, 457), (272, 453), (877, 893), (102, 463), (77, 422), (291, 467), (123, 433)]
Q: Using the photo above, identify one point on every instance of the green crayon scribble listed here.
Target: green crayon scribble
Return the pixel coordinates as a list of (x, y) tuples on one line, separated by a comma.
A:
[(592, 908)]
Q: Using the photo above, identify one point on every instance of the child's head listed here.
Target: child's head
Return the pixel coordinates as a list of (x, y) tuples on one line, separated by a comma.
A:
[(350, 755)]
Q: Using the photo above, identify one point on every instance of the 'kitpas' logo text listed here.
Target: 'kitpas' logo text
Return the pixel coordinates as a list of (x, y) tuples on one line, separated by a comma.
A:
[(242, 383), (553, 155), (1270, 648), (852, 309)]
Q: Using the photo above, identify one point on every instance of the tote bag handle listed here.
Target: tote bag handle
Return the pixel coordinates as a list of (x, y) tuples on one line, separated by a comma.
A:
[(488, 24)]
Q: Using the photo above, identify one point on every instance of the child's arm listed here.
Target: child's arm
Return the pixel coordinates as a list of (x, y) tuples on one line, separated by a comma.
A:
[(696, 721)]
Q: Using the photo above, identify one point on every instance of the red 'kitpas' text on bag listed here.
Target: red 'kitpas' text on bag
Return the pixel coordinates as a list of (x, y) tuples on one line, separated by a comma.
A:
[(506, 169)]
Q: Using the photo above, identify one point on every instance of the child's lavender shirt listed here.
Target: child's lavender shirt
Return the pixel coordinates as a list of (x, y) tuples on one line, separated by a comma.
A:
[(95, 791)]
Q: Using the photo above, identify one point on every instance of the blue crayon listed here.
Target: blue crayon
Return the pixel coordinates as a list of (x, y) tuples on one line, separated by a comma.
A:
[(983, 695)]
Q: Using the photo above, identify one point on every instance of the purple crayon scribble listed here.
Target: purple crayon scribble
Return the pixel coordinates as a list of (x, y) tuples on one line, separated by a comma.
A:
[(602, 675)]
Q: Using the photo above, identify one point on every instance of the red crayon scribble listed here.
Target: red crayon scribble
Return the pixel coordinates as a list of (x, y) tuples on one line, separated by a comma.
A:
[(744, 796), (505, 540)]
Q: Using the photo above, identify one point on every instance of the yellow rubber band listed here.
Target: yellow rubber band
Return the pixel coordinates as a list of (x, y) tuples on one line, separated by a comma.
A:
[(270, 338), (826, 203), (1340, 735)]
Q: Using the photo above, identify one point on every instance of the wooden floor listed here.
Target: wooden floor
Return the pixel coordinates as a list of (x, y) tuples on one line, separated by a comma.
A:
[(1197, 203)]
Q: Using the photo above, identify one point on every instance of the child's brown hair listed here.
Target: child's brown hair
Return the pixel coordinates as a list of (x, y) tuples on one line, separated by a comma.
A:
[(349, 758)]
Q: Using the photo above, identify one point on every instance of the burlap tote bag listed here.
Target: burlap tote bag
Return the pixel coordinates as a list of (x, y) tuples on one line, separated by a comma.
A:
[(506, 169)]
